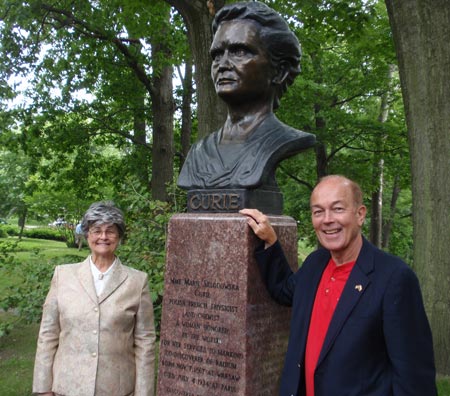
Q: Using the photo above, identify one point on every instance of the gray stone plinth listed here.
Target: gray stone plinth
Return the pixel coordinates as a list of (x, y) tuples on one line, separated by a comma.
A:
[(221, 333)]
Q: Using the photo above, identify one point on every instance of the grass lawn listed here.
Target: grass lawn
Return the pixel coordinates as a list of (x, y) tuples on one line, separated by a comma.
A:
[(17, 359), (39, 252), (46, 249), (17, 349), (443, 386)]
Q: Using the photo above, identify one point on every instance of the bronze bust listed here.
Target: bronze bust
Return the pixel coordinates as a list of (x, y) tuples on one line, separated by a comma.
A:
[(255, 57)]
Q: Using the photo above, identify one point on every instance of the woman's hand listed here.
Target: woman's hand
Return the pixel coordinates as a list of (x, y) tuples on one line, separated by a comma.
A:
[(260, 225)]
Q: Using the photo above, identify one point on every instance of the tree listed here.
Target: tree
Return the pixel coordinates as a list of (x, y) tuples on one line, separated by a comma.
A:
[(117, 53), (421, 30), (14, 172), (348, 95), (198, 16)]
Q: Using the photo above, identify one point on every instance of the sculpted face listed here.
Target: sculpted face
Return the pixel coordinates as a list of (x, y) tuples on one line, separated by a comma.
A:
[(241, 69), (337, 219)]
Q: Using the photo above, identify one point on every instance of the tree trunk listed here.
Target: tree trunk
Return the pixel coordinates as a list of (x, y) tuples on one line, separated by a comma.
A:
[(198, 16), (321, 160), (376, 212), (186, 112), (421, 31), (22, 220), (376, 217), (140, 159), (163, 107), (141, 154), (320, 149), (387, 226)]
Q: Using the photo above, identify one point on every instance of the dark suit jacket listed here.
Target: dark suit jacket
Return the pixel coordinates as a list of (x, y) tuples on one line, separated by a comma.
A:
[(379, 341)]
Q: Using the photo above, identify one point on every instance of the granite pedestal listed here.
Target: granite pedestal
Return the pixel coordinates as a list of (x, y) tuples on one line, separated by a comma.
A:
[(221, 333)]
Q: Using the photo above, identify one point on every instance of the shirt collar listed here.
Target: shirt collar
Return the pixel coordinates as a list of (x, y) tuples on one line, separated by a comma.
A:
[(96, 273)]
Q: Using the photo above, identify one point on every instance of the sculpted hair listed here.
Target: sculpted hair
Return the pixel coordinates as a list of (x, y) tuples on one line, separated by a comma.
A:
[(104, 212), (281, 43)]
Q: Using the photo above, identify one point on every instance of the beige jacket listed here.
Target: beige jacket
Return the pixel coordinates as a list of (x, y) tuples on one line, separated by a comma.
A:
[(89, 345)]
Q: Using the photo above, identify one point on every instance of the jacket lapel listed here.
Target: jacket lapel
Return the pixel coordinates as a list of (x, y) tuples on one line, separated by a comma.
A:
[(353, 290), (87, 282), (117, 277)]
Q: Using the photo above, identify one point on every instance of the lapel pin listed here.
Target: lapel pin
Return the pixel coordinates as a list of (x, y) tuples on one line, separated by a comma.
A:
[(358, 287)]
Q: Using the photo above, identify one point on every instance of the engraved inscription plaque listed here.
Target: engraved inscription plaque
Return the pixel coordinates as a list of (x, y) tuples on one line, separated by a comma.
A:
[(221, 334)]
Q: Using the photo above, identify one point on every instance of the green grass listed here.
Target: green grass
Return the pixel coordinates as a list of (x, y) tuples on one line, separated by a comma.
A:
[(17, 359), (303, 250), (28, 248), (443, 384), (38, 251), (17, 349)]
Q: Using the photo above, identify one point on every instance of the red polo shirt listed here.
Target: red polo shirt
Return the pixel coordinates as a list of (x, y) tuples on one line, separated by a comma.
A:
[(327, 296)]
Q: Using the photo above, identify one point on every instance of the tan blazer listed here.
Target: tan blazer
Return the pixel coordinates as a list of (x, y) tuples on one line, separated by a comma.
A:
[(89, 345)]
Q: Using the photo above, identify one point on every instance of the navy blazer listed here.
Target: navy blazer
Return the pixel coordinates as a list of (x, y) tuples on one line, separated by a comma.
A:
[(379, 341)]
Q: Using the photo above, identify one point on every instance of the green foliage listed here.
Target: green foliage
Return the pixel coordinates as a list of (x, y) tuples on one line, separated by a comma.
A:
[(65, 234), (65, 151), (17, 352), (29, 279), (14, 173), (90, 69), (443, 386), (54, 234), (27, 296), (348, 75), (3, 233), (9, 230), (144, 248), (6, 261)]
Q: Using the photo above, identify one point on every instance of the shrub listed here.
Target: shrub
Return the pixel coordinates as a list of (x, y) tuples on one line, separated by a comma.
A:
[(27, 296), (10, 230), (144, 249), (53, 234)]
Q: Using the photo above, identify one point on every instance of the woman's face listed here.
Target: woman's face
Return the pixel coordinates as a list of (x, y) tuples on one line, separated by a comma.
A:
[(103, 239)]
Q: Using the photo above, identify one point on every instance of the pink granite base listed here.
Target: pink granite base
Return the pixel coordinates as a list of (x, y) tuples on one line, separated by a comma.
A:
[(221, 333)]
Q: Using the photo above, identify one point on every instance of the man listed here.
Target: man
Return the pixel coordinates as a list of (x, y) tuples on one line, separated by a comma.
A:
[(79, 236), (255, 57), (358, 324)]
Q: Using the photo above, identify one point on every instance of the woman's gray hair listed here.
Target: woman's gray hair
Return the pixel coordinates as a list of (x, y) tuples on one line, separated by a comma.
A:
[(281, 43), (104, 212)]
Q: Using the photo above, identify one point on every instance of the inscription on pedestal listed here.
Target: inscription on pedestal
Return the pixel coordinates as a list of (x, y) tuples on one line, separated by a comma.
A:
[(214, 202), (221, 334), (199, 352), (232, 200)]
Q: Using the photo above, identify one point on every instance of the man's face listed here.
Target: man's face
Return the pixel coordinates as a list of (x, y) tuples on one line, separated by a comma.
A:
[(337, 220), (241, 68)]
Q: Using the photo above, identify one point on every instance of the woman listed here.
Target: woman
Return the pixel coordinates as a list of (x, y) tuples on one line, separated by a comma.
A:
[(97, 333)]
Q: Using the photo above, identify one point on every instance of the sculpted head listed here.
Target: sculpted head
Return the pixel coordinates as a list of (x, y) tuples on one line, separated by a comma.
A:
[(281, 44)]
